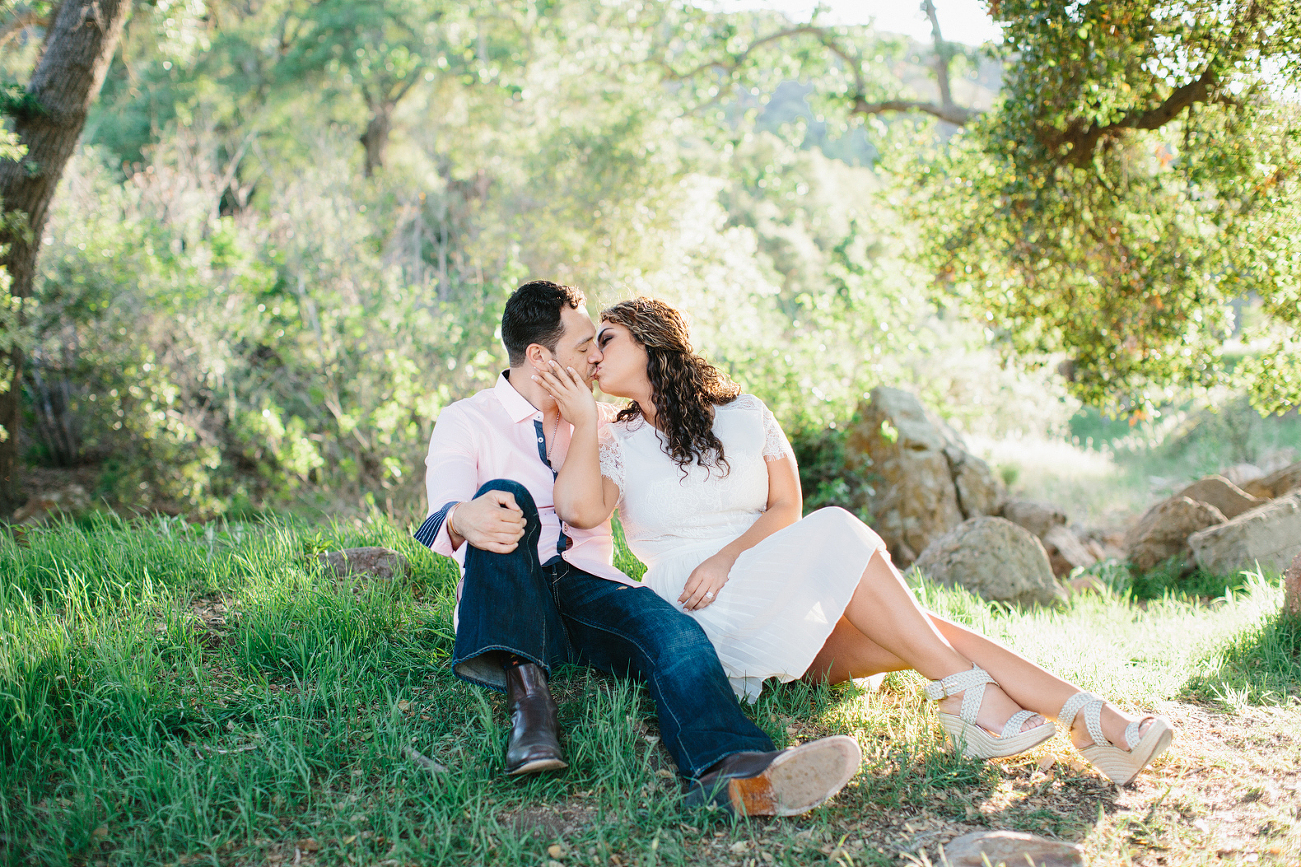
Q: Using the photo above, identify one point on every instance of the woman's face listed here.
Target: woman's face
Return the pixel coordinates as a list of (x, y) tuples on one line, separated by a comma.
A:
[(621, 362)]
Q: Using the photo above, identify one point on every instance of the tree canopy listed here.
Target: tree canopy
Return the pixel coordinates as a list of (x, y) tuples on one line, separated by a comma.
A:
[(284, 242)]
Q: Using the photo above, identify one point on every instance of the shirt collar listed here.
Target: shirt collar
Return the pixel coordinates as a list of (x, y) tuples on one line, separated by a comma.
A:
[(517, 408)]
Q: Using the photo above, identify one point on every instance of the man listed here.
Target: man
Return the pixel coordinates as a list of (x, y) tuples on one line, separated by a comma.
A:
[(536, 593)]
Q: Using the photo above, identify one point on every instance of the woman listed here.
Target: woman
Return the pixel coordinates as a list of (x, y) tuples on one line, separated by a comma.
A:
[(709, 498)]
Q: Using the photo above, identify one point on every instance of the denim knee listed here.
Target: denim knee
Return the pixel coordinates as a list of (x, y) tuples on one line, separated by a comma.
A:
[(523, 498)]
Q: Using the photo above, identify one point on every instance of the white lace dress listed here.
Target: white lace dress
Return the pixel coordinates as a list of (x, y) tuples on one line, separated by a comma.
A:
[(784, 595)]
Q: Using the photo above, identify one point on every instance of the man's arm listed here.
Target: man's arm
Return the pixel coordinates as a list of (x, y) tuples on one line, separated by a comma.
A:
[(492, 522)]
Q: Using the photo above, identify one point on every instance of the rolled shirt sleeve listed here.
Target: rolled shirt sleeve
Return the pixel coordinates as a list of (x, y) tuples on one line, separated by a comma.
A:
[(451, 476)]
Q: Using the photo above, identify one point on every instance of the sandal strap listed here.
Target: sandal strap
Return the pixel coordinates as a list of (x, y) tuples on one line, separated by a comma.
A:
[(971, 681), (1134, 732), (1092, 707), (1018, 719)]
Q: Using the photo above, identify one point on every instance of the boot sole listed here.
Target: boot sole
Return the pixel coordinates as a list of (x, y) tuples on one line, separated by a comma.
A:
[(798, 780), (537, 766)]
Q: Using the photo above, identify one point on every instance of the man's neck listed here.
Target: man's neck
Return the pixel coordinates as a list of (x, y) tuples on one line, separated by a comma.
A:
[(521, 379)]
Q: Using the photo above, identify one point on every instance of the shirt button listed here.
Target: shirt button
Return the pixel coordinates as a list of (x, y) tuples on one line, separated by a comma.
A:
[(541, 440)]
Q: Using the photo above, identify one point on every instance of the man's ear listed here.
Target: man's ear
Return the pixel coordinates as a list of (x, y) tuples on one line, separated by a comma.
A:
[(537, 356)]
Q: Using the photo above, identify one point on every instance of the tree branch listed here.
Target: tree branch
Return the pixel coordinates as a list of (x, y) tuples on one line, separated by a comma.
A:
[(1084, 140), (738, 59), (942, 56), (954, 114), (946, 110)]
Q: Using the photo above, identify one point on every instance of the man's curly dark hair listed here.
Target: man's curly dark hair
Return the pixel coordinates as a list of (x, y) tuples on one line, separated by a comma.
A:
[(684, 387)]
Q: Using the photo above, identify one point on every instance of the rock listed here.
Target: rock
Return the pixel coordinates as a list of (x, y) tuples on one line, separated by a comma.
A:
[(924, 482), (1107, 544), (1038, 518), (1065, 551), (1221, 493), (1095, 549), (382, 563), (70, 500), (1164, 529), (994, 558), (1292, 587), (979, 493), (1085, 583), (1276, 484), (1241, 474), (1011, 849), (1269, 535)]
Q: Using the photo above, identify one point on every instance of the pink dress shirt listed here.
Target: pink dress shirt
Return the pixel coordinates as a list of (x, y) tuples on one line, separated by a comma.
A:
[(497, 434)]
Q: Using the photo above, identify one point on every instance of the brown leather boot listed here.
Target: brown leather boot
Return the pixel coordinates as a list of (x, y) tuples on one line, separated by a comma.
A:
[(534, 743), (783, 783)]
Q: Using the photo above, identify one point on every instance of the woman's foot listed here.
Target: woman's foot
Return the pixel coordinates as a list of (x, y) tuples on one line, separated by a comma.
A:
[(1114, 723), (996, 708), (1117, 744), (987, 724)]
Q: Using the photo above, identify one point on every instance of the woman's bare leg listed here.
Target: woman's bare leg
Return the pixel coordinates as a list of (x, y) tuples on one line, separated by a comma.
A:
[(1031, 686), (898, 631), (848, 654), (884, 610)]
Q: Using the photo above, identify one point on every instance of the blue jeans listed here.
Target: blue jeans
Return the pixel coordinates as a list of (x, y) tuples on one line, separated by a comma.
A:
[(555, 614)]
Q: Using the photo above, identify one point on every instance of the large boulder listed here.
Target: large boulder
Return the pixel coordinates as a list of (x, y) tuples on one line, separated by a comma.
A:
[(68, 500), (1242, 474), (1276, 484), (1164, 529), (1219, 492), (979, 493), (994, 558), (1036, 517), (1268, 537), (924, 482)]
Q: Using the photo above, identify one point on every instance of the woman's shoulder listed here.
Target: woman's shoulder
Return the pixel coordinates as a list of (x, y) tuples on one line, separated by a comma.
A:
[(623, 427), (744, 403)]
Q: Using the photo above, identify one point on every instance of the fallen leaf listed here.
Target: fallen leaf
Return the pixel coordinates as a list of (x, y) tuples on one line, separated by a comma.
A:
[(309, 844)]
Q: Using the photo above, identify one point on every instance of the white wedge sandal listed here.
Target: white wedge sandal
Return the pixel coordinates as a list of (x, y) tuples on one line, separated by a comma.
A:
[(1119, 765), (975, 741)]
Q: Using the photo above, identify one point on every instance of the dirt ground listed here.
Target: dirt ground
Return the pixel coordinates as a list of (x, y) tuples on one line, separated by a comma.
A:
[(1227, 792)]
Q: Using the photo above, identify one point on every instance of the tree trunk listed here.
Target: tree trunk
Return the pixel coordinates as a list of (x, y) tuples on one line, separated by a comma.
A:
[(375, 139), (79, 46)]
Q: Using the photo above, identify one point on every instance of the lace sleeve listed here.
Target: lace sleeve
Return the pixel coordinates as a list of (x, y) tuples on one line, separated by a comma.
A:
[(775, 444), (611, 452)]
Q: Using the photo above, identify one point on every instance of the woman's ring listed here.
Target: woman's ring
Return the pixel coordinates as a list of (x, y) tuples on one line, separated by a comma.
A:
[(709, 594)]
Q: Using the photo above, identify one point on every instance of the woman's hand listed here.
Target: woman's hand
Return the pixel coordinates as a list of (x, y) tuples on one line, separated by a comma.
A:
[(571, 394), (706, 582)]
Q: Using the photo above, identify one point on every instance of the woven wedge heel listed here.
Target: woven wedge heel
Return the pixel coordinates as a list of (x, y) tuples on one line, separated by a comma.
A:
[(975, 741), (1119, 765)]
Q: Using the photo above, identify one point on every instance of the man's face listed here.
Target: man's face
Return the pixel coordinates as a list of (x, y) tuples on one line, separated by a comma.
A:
[(577, 344)]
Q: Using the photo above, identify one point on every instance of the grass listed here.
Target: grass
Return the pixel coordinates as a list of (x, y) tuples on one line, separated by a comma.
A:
[(204, 694), (1108, 472)]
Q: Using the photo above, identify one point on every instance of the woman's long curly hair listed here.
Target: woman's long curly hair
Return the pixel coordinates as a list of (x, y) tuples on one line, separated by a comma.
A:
[(684, 387)]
